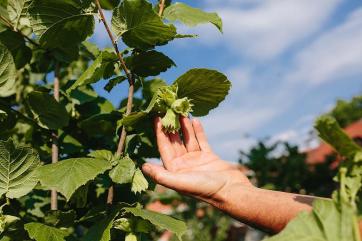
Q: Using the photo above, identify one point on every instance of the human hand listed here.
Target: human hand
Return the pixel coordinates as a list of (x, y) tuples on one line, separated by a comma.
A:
[(190, 167)]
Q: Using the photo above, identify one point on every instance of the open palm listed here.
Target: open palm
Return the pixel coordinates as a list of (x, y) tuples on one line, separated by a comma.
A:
[(189, 165)]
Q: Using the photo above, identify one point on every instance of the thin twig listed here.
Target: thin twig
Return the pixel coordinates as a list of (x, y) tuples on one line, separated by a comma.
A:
[(18, 31), (122, 138), (19, 114), (55, 144), (161, 6)]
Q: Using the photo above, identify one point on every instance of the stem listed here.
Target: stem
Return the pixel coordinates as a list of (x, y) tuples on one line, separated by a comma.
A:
[(122, 138), (55, 144), (161, 7), (18, 31)]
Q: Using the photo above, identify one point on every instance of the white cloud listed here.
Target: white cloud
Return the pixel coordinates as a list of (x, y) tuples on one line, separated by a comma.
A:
[(266, 29), (334, 55)]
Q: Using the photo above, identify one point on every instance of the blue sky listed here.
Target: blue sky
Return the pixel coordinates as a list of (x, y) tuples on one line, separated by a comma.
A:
[(288, 61)]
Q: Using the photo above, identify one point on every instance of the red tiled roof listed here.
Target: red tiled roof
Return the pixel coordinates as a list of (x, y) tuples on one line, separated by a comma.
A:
[(319, 154)]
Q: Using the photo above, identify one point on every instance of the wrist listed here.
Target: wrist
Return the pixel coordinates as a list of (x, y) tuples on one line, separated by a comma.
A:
[(232, 194)]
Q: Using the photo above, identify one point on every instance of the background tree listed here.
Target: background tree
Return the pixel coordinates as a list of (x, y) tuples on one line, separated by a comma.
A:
[(347, 112)]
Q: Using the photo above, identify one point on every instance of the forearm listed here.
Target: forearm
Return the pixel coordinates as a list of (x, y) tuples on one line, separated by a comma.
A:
[(265, 209)]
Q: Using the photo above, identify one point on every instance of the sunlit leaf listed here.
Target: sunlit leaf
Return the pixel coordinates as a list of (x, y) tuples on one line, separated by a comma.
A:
[(42, 232), (139, 182), (17, 169), (332, 133), (124, 171), (7, 72), (160, 220), (205, 88), (68, 175), (139, 26), (60, 23), (191, 16)]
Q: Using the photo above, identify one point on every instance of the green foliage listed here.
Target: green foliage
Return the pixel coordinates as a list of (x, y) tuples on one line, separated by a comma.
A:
[(17, 169), (97, 70), (41, 232), (7, 72), (335, 219), (191, 16), (347, 112), (197, 92), (47, 111), (139, 182), (68, 175), (61, 28), (16, 45), (40, 39), (330, 132), (160, 220), (206, 89), (139, 26), (288, 171), (327, 222), (149, 63)]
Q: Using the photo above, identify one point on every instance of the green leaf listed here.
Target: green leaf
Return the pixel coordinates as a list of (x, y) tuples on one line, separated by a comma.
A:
[(17, 169), (68, 175), (47, 111), (150, 63), (205, 88), (191, 16), (3, 115), (332, 133), (16, 44), (124, 171), (113, 82), (109, 4), (60, 219), (6, 221), (150, 87), (133, 118), (17, 10), (7, 72), (42, 232), (130, 237), (103, 155), (327, 222), (100, 125), (83, 95), (139, 26), (55, 28), (96, 70), (139, 182), (160, 220), (101, 231)]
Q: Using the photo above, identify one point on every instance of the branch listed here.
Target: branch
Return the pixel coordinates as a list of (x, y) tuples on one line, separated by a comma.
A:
[(8, 23), (19, 114), (122, 138), (55, 144), (161, 7)]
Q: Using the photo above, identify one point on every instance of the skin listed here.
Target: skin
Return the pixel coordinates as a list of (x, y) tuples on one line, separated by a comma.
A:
[(190, 167)]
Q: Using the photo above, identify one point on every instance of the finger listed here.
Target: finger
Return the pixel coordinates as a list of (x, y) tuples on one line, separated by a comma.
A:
[(177, 144), (181, 182), (189, 135), (165, 148), (160, 175), (201, 136)]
